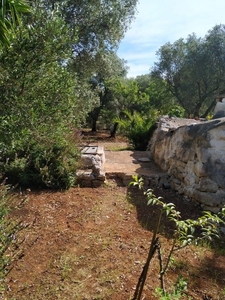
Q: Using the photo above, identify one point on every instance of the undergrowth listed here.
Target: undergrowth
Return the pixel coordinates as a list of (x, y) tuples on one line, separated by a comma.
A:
[(8, 230)]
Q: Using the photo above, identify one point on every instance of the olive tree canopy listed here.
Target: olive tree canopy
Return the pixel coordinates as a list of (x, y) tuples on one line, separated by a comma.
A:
[(194, 70)]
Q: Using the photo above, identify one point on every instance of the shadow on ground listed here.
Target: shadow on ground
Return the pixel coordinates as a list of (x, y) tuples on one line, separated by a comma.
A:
[(147, 215)]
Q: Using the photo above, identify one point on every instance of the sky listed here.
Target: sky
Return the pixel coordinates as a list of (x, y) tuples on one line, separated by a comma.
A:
[(160, 21)]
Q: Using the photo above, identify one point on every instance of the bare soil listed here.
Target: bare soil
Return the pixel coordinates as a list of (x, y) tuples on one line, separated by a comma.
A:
[(89, 244)]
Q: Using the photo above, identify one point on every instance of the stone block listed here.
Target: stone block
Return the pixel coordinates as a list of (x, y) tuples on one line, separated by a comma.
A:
[(214, 210), (154, 181), (96, 183), (86, 183), (207, 185), (85, 174), (199, 169), (206, 198), (101, 176), (164, 182), (86, 160), (190, 179), (101, 153)]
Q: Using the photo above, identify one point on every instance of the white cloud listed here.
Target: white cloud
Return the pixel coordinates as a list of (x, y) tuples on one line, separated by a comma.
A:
[(162, 21)]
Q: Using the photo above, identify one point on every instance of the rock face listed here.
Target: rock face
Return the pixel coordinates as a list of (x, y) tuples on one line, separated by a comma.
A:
[(219, 111), (193, 154)]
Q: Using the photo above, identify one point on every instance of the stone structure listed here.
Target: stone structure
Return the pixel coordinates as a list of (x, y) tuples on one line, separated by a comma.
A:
[(92, 161), (193, 154), (219, 111)]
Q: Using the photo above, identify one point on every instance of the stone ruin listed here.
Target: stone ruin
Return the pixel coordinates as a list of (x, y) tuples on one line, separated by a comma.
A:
[(92, 167), (193, 155)]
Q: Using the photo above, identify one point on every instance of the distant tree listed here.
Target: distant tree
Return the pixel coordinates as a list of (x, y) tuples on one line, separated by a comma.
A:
[(194, 70), (159, 97), (127, 95), (127, 100), (143, 82), (111, 67)]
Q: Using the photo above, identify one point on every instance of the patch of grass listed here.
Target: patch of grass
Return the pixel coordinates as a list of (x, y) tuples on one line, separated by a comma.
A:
[(117, 147), (178, 264)]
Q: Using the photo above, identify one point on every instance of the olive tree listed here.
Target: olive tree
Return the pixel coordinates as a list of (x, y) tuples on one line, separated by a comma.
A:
[(194, 70)]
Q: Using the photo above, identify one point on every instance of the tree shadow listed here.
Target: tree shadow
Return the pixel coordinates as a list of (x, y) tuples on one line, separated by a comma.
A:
[(201, 269), (147, 215)]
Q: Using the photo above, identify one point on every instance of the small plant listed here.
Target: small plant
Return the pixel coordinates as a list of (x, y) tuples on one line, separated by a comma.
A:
[(179, 288), (176, 111), (184, 234)]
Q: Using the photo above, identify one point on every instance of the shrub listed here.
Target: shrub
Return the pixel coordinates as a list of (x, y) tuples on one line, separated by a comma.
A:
[(49, 163), (176, 111), (138, 128)]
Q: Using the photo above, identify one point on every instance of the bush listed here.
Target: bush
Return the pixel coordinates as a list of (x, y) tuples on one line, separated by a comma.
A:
[(42, 164), (41, 100), (176, 111), (138, 128)]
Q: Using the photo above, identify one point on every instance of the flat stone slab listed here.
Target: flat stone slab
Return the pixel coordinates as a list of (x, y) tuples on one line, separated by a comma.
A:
[(94, 150), (131, 163), (90, 150), (144, 159)]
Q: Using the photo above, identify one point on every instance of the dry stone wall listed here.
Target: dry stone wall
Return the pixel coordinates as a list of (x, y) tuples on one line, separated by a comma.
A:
[(193, 154)]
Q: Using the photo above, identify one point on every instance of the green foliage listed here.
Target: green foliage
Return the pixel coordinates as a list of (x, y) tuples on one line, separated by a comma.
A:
[(41, 101), (138, 128), (176, 111), (10, 17), (43, 83), (185, 230), (98, 25), (194, 70), (44, 164), (157, 93), (127, 95), (179, 288)]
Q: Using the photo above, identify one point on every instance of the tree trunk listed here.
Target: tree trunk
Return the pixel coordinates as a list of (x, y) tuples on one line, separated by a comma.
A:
[(94, 126), (212, 105), (113, 130)]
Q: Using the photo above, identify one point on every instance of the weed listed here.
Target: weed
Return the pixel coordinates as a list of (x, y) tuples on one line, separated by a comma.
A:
[(177, 265), (177, 292)]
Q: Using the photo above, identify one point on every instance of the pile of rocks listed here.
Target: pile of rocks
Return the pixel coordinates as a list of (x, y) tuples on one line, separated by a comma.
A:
[(92, 161)]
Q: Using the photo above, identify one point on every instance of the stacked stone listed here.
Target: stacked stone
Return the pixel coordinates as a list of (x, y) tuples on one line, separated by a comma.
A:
[(92, 173)]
